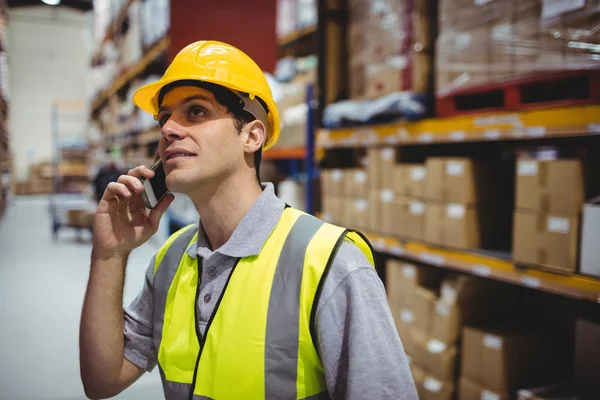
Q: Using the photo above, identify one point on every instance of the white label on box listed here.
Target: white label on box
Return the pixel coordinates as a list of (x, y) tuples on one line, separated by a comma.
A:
[(409, 359), (387, 195), (523, 394), (558, 225), (327, 217), (435, 346), (457, 136), (337, 175), (418, 174), (492, 341), (432, 259), (425, 138), (360, 177), (392, 139), (417, 208), (361, 205), (387, 154), (594, 128), (491, 134), (531, 282), (448, 296), (536, 131), (442, 309), (432, 385), (502, 32), (396, 250), (554, 8), (511, 119), (407, 316), (462, 40), (481, 2), (455, 211), (379, 244), (482, 270), (527, 168), (409, 271), (455, 168), (487, 395)]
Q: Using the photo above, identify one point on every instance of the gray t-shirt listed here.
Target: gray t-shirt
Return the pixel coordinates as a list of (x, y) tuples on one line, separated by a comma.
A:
[(358, 343)]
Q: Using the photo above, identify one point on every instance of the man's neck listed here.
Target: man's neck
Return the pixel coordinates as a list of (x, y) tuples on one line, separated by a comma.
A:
[(222, 208)]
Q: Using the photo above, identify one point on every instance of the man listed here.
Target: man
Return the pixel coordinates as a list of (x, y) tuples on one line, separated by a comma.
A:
[(259, 301), (108, 173)]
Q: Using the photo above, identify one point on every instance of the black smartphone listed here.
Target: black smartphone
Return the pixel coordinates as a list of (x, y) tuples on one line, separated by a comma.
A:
[(155, 188)]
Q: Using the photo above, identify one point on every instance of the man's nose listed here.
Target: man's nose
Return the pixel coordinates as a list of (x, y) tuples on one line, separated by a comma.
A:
[(172, 131)]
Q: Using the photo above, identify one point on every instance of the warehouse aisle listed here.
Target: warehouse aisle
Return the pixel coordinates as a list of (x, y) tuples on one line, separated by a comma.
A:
[(42, 284)]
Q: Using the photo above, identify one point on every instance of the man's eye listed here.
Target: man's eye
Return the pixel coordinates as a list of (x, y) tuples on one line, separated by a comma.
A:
[(163, 120), (196, 112)]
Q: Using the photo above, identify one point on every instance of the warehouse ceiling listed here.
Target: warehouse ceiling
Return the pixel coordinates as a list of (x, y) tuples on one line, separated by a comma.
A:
[(82, 5)]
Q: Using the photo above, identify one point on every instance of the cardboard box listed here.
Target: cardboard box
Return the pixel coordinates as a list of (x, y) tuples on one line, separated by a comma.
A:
[(388, 217), (385, 78), (334, 209), (409, 180), (552, 187), (403, 278), (546, 240), (332, 182), (435, 357), (412, 218), (470, 390), (375, 211), (587, 353), (80, 218), (453, 225), (380, 164), (590, 232), (419, 309), (430, 387), (506, 361), (465, 181), (355, 183), (357, 213), (560, 391)]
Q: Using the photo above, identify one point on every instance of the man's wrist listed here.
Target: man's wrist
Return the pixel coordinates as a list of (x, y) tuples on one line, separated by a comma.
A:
[(109, 256)]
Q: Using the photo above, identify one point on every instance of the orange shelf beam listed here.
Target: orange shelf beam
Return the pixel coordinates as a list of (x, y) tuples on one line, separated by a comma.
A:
[(285, 153)]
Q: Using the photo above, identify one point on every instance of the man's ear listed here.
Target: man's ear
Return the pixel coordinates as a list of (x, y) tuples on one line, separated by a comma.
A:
[(255, 136)]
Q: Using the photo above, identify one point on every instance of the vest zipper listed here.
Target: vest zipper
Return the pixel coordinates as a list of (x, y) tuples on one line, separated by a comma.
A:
[(202, 338)]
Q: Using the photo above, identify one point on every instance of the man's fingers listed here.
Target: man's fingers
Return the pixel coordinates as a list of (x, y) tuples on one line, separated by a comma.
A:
[(133, 184), (158, 211), (141, 172), (115, 189)]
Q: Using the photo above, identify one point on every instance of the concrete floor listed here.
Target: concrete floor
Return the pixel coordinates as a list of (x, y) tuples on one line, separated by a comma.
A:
[(42, 284)]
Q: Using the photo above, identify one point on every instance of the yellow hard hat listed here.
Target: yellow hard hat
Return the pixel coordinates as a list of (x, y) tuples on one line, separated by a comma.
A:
[(221, 64)]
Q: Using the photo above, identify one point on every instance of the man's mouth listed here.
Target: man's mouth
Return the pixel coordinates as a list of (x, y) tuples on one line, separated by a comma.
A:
[(177, 154)]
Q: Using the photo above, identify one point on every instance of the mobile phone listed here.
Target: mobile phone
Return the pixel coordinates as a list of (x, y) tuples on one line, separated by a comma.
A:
[(155, 188)]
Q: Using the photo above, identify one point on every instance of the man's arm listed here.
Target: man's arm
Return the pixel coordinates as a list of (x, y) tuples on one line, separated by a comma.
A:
[(359, 345), (104, 370)]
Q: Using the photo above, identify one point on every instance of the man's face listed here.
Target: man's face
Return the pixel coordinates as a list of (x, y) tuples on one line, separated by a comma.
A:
[(200, 143)]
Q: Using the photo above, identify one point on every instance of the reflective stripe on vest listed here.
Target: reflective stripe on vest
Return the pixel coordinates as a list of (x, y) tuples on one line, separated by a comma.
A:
[(258, 342)]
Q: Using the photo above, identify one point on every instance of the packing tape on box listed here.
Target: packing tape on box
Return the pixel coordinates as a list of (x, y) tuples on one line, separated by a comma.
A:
[(455, 211), (558, 225), (527, 168), (418, 174), (492, 341), (455, 168)]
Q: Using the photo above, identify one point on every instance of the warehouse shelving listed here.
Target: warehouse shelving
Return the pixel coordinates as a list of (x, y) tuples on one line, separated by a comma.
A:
[(155, 51), (575, 286), (295, 36), (113, 27), (535, 124)]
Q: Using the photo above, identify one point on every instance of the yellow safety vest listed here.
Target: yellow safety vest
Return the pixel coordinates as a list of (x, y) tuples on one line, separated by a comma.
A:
[(258, 343)]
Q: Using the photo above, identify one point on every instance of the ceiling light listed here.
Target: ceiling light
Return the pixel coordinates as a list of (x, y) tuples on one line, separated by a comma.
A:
[(51, 2)]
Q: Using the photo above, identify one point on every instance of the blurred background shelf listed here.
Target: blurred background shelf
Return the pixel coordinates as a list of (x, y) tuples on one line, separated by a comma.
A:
[(501, 269)]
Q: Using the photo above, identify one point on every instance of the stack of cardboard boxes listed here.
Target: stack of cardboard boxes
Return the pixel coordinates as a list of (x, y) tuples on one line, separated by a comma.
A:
[(429, 316), (464, 207), (40, 181), (549, 200), (483, 42), (495, 363), (389, 47)]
